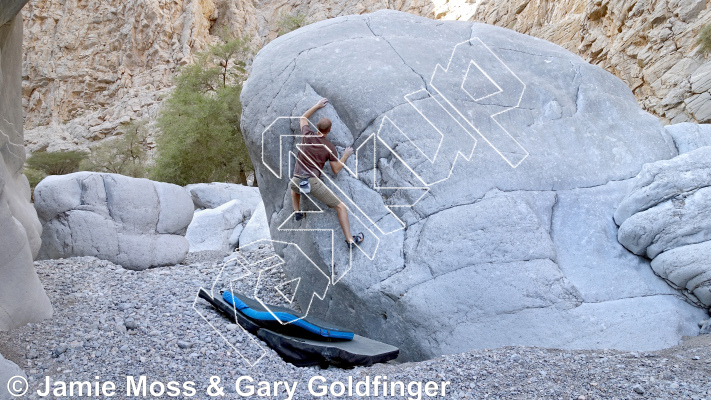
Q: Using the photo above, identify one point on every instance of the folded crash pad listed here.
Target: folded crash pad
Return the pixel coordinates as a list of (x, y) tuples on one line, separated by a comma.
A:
[(360, 351), (300, 351), (284, 320)]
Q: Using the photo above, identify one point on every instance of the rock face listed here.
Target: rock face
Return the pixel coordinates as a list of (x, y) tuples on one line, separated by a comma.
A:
[(22, 298), (90, 67), (667, 217), (516, 246), (136, 223)]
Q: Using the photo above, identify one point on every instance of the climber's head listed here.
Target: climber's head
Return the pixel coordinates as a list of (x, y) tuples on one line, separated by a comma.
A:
[(324, 126)]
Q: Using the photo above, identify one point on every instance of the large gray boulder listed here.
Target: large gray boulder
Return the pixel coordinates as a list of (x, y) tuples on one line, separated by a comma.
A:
[(667, 217), (488, 168), (215, 194), (22, 298), (136, 223)]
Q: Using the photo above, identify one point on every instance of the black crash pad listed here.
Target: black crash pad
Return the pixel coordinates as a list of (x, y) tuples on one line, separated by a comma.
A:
[(360, 351)]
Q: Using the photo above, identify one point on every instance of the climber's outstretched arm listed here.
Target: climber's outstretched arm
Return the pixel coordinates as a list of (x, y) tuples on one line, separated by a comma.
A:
[(304, 120)]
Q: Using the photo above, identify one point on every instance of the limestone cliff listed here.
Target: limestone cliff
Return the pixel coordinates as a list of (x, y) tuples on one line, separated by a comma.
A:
[(89, 67), (649, 44)]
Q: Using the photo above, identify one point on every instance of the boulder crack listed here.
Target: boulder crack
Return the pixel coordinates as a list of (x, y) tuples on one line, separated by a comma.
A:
[(424, 81)]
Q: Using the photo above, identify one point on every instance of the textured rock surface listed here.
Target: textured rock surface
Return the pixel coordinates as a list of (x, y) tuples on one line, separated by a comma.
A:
[(667, 217), (491, 255), (213, 229), (19, 227), (257, 228), (137, 223), (213, 195), (689, 136), (664, 180)]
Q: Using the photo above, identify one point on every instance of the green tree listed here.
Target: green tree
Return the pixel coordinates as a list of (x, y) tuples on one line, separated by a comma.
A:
[(200, 138), (125, 154), (56, 163), (34, 177), (289, 22), (704, 39)]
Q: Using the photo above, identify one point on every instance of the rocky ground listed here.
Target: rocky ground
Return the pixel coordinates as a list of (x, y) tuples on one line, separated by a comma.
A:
[(110, 322)]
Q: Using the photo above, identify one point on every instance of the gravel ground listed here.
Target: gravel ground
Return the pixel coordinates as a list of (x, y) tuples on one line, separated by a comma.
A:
[(110, 322)]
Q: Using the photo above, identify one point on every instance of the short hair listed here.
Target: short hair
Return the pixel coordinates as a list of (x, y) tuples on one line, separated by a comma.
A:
[(324, 125)]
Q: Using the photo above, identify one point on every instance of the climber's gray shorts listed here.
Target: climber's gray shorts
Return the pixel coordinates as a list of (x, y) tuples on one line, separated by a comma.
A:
[(318, 190)]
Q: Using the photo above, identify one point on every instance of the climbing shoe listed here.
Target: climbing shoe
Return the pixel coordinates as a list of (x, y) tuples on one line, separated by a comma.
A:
[(357, 240)]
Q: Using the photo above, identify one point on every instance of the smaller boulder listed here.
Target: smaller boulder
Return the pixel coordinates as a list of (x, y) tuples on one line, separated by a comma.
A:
[(680, 221), (663, 180), (213, 229), (257, 228), (688, 267), (234, 237), (213, 195), (667, 218), (705, 328), (688, 136), (136, 223)]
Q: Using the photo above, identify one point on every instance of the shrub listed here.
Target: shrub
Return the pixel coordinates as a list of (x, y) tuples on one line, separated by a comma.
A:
[(289, 22), (704, 39), (56, 163), (35, 177), (200, 139), (125, 154)]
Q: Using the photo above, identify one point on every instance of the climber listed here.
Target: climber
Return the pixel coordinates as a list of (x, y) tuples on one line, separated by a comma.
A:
[(309, 164)]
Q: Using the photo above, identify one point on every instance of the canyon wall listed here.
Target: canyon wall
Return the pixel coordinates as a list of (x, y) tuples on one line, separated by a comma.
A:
[(649, 44), (91, 66)]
